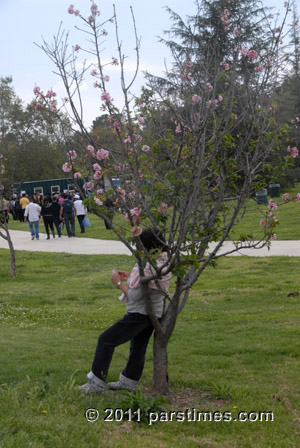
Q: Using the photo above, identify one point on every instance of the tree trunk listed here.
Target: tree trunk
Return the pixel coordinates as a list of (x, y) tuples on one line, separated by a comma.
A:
[(12, 258), (160, 381)]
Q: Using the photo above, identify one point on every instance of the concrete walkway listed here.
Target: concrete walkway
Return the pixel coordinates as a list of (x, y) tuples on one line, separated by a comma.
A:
[(90, 246)]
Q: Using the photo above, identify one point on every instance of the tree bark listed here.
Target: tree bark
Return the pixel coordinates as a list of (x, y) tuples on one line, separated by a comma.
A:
[(12, 258), (160, 381)]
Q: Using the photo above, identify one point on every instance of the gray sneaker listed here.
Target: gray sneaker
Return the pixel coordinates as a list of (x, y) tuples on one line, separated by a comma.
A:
[(124, 383), (93, 386)]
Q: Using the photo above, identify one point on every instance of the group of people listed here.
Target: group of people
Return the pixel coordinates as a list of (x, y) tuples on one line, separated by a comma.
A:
[(56, 211)]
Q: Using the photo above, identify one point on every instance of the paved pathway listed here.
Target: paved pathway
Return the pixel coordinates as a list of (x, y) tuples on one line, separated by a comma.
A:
[(91, 246)]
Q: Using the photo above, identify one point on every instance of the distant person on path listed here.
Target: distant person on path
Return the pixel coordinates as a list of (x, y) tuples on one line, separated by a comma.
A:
[(32, 213), (24, 201), (56, 212), (47, 214), (81, 211), (68, 212)]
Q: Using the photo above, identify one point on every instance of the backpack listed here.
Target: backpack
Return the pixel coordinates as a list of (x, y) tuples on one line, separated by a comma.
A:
[(68, 207)]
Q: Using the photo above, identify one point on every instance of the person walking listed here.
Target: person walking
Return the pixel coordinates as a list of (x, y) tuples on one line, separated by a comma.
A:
[(47, 214), (24, 201), (81, 211), (68, 212), (56, 219), (32, 213)]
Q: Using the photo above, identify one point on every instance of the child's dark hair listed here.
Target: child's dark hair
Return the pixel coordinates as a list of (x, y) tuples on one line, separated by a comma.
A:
[(153, 239)]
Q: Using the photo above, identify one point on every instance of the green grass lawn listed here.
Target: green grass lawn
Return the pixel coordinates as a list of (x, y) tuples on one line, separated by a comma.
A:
[(236, 347)]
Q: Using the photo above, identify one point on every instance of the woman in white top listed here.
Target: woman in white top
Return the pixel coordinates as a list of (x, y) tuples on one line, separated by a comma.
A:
[(81, 211)]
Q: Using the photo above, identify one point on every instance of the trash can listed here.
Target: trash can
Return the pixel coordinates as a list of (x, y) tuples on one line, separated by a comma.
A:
[(274, 190), (262, 197)]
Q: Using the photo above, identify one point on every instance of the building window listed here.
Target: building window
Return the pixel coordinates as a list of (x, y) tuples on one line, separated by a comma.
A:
[(38, 190), (55, 189)]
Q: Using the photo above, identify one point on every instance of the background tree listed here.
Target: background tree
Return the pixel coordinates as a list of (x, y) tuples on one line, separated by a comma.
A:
[(213, 125)]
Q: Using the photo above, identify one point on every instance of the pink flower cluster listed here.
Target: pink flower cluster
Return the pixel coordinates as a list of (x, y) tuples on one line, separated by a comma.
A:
[(134, 214), (196, 99), (71, 10), (286, 197), (272, 205), (251, 54), (225, 65), (293, 151), (225, 18), (67, 167), (106, 98), (163, 208), (102, 154)]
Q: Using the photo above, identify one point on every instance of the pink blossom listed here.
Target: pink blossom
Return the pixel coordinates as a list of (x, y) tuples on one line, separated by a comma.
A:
[(272, 205), (90, 185), (67, 167), (36, 90), (220, 98), (106, 97), (115, 61), (285, 196), (97, 175), (136, 230), (294, 152), (122, 193), (196, 98), (225, 65), (117, 126), (91, 148), (1, 156), (134, 213), (141, 119), (127, 139), (100, 191), (138, 138), (189, 64), (274, 236), (244, 51), (146, 148), (209, 87), (71, 9), (259, 68), (186, 77), (98, 201), (163, 208), (1, 187), (94, 72), (97, 167), (77, 47), (285, 5), (262, 222), (77, 175), (132, 194), (236, 32), (102, 154), (252, 54), (178, 129), (73, 154), (77, 12), (298, 197)]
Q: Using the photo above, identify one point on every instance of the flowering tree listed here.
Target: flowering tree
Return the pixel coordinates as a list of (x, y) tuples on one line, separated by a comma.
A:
[(190, 151)]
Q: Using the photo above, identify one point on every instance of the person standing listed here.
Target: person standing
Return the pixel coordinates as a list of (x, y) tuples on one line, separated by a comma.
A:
[(68, 212), (24, 201), (47, 214), (32, 213), (81, 211), (56, 211)]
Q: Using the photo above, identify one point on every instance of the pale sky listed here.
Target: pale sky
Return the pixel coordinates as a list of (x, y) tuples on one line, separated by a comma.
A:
[(24, 22)]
